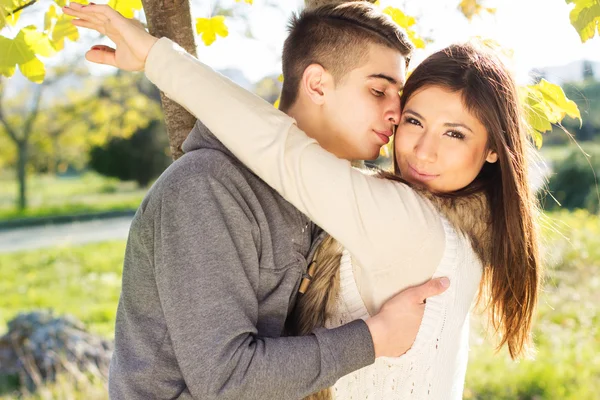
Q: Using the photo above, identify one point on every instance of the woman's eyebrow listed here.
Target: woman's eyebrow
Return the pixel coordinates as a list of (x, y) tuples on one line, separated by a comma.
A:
[(447, 124)]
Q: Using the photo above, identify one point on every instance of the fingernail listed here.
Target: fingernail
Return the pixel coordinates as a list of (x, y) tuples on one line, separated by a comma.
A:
[(445, 282)]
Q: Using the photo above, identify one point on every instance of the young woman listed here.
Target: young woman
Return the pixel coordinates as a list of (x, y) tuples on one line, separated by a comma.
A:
[(458, 203)]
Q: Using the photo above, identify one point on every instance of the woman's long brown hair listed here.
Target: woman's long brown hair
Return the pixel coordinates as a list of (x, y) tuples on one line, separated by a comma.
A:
[(512, 269)]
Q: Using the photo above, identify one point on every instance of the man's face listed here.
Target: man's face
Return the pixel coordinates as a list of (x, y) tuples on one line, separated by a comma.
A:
[(362, 109)]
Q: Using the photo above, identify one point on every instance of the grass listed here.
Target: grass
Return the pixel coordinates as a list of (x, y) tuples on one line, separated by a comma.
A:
[(85, 281), (567, 329), (81, 280), (50, 195)]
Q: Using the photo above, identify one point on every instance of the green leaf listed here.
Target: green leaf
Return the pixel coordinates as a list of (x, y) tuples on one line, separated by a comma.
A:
[(546, 104), (21, 51), (585, 18), (209, 28)]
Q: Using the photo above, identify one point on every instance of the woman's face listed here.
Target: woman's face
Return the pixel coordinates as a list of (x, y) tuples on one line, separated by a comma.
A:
[(439, 143)]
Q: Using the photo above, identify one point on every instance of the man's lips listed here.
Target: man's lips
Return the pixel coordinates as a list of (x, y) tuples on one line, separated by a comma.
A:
[(421, 176), (384, 135)]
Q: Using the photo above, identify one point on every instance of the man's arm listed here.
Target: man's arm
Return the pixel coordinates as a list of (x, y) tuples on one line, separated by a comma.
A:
[(206, 272)]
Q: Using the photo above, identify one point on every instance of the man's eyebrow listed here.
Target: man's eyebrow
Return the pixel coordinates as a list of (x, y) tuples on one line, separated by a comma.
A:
[(384, 76), (448, 124)]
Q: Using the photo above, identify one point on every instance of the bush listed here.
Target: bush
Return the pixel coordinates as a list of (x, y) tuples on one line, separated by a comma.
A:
[(573, 182), (141, 158)]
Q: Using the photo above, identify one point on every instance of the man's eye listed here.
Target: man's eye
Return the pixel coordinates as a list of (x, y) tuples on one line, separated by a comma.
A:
[(377, 93)]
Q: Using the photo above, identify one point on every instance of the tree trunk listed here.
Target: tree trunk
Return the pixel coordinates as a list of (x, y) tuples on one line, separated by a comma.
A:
[(22, 149), (172, 19)]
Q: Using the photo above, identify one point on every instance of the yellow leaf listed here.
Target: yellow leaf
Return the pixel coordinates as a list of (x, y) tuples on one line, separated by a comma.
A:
[(209, 28), (276, 104), (245, 1), (38, 42), (63, 29), (280, 78), (126, 7), (33, 70), (405, 21), (585, 18), (49, 18), (399, 17), (471, 8), (15, 52)]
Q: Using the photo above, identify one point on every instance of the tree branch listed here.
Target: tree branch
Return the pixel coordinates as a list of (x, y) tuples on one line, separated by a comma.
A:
[(9, 130), (21, 7), (34, 112)]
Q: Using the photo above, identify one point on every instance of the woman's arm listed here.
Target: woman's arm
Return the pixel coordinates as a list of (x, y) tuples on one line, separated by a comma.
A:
[(377, 220)]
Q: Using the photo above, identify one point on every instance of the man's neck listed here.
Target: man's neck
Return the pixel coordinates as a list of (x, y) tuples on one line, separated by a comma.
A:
[(310, 124)]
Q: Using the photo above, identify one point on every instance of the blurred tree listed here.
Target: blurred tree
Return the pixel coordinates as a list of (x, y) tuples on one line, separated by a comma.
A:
[(588, 71), (65, 130), (574, 182), (141, 157)]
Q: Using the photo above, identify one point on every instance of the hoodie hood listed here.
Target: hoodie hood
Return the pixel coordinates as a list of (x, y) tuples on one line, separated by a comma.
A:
[(200, 137)]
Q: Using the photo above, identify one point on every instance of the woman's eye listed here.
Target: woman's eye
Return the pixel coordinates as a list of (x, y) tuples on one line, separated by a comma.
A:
[(412, 121), (377, 93), (456, 135)]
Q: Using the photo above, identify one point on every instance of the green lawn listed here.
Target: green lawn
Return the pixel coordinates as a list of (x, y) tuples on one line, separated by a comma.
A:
[(50, 195), (85, 281)]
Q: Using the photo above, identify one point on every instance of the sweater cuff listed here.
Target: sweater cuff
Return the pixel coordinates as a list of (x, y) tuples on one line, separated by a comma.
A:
[(350, 346), (158, 57)]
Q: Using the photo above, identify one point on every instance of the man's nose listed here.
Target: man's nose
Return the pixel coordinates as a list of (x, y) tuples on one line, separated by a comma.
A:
[(392, 112)]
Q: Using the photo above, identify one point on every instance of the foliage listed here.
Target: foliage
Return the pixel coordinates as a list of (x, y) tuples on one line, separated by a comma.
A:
[(585, 17), (471, 8), (142, 157), (209, 28), (574, 182), (546, 104)]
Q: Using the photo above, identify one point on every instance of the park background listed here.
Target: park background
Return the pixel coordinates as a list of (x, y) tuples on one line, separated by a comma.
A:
[(80, 145)]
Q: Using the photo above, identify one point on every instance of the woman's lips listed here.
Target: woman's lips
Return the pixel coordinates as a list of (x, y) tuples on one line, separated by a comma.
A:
[(419, 175)]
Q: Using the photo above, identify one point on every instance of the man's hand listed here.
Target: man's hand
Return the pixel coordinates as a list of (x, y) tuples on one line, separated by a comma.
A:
[(132, 41), (395, 327)]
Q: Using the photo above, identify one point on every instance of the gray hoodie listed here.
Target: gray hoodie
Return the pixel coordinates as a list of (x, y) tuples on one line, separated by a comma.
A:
[(213, 263)]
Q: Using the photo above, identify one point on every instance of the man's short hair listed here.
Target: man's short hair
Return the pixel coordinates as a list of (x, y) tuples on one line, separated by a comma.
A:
[(337, 37)]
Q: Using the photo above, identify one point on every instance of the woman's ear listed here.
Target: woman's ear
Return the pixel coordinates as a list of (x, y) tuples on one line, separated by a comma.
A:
[(315, 81), (492, 157)]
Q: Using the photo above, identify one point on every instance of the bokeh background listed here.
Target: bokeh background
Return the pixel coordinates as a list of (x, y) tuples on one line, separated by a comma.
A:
[(81, 144)]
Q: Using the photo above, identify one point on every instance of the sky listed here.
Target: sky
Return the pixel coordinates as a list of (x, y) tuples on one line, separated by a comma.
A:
[(537, 31)]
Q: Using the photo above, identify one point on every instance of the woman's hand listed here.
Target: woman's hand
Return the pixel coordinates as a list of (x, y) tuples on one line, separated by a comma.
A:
[(132, 41)]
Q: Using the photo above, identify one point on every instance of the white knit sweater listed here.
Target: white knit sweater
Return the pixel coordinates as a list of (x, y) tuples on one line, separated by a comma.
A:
[(434, 368)]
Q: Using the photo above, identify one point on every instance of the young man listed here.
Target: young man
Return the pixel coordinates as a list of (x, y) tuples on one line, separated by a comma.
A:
[(215, 256)]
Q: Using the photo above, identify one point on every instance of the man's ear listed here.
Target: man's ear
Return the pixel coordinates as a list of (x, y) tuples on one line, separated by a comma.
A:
[(316, 82)]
